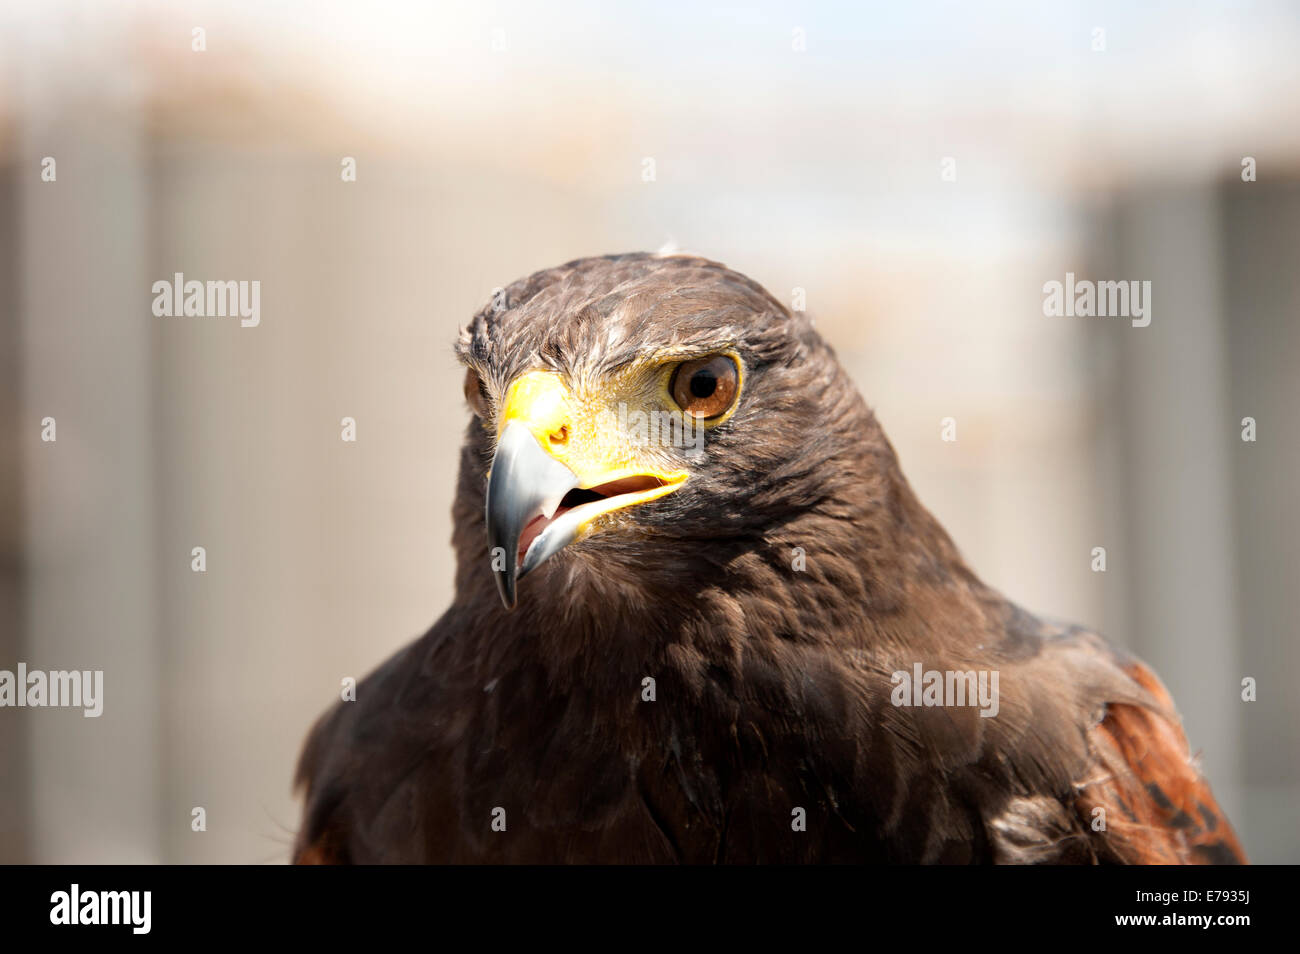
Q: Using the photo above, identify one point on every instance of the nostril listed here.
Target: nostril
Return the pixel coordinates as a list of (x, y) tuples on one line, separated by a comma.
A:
[(560, 436)]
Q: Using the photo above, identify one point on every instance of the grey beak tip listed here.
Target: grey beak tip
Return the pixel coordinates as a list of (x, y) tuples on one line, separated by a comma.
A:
[(506, 587), (522, 479), (506, 590)]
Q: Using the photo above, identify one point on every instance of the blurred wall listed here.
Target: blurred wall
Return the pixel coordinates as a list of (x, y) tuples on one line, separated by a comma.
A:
[(14, 772), (1260, 232)]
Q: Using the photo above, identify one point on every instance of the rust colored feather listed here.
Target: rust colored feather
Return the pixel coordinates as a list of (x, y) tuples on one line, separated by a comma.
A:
[(1157, 806)]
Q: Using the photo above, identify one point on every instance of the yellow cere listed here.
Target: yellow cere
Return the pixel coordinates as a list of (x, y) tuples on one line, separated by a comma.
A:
[(581, 435)]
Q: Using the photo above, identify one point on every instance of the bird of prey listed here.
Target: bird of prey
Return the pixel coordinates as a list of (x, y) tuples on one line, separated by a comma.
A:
[(692, 590)]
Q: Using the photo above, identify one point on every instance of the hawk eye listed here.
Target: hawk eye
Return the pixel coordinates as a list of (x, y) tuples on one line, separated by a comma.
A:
[(706, 387), (476, 394)]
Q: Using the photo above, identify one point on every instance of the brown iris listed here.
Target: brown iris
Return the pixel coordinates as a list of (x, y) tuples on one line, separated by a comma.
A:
[(706, 387), (476, 393)]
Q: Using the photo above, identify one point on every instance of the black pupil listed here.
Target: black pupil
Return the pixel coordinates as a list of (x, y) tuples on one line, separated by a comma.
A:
[(703, 383)]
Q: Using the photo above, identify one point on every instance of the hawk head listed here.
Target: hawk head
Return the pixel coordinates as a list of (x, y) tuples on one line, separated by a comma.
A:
[(648, 420)]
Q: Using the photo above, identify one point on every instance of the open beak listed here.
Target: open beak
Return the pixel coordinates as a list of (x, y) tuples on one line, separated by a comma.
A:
[(552, 476)]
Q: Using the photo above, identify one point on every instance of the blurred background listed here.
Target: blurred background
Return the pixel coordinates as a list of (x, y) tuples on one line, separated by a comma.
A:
[(918, 170)]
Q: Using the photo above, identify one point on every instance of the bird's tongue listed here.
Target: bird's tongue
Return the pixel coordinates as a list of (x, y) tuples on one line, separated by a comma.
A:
[(532, 531), (576, 498)]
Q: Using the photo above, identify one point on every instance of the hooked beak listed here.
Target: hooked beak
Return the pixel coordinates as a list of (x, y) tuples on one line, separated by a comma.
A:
[(543, 496), (525, 488)]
